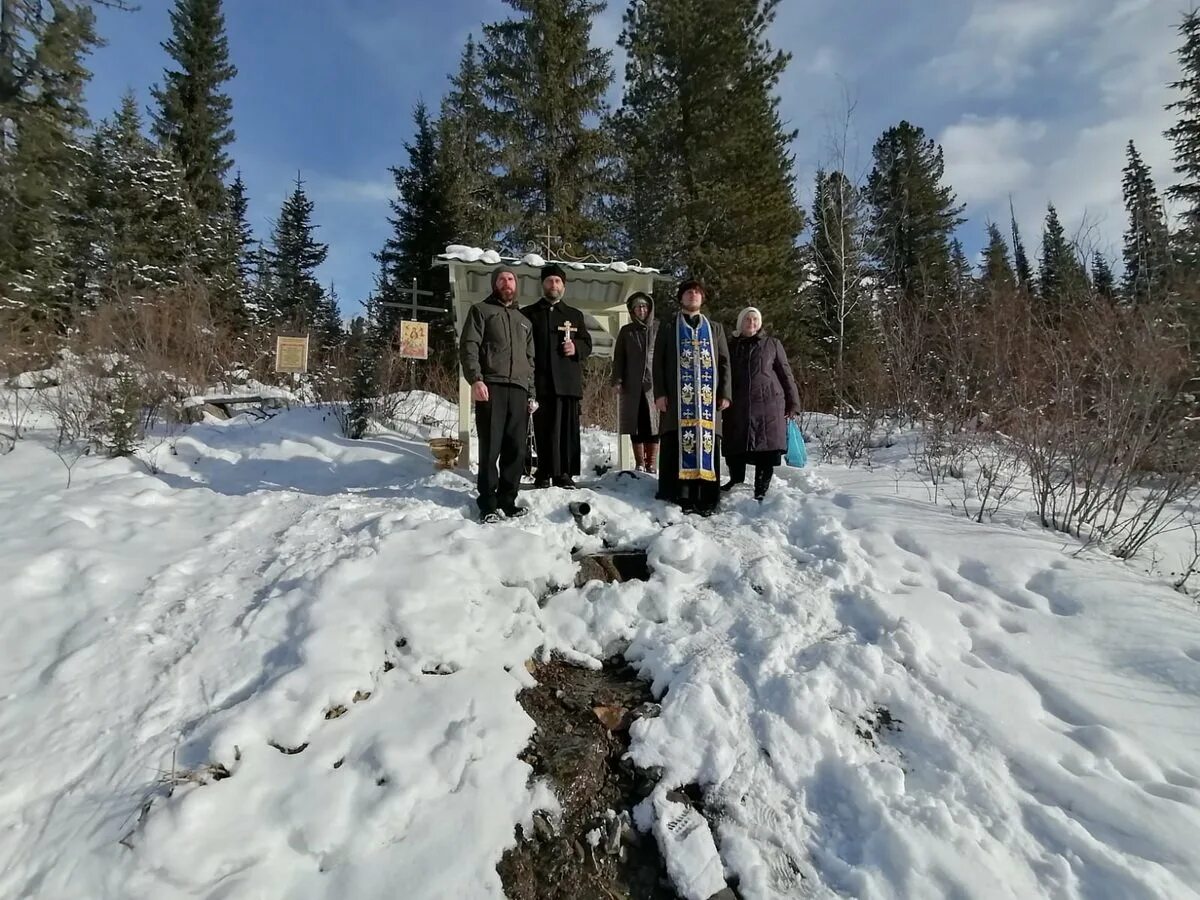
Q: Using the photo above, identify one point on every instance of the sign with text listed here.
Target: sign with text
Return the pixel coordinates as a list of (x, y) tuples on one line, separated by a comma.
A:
[(291, 354), (414, 340)]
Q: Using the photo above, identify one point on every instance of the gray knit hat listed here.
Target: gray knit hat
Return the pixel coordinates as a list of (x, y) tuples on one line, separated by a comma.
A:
[(500, 270)]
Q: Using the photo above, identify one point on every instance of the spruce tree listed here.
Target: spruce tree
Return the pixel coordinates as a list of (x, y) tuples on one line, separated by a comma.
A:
[(1062, 280), (295, 256), (1147, 240), (239, 216), (1185, 136), (545, 85), (837, 260), (962, 279), (422, 226), (465, 157), (996, 275), (708, 174), (46, 166), (914, 216), (153, 224), (1104, 284), (1021, 267), (261, 304), (364, 386), (194, 119)]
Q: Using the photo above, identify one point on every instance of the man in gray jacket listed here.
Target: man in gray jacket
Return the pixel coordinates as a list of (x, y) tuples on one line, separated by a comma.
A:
[(496, 352)]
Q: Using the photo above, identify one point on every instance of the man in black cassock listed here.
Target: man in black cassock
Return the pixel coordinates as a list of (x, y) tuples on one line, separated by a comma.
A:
[(561, 344)]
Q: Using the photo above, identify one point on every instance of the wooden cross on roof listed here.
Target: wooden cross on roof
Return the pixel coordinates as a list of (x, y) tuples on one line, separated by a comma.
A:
[(412, 304)]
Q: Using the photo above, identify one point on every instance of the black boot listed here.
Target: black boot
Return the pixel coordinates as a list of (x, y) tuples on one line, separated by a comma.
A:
[(762, 481)]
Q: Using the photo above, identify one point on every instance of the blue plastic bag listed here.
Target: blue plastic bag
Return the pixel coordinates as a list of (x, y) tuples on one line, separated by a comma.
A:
[(797, 456)]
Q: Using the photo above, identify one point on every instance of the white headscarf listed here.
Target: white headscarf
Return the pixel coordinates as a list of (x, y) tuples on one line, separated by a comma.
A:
[(748, 311)]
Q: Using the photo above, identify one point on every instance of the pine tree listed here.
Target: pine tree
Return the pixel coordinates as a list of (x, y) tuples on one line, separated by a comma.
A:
[(1021, 267), (22, 27), (1104, 285), (328, 324), (465, 158), (364, 386), (996, 275), (153, 224), (295, 256), (421, 228), (261, 304), (1062, 279), (962, 279), (121, 429), (1147, 240), (194, 117), (708, 174), (914, 216), (46, 166), (545, 84), (1185, 136), (837, 258), (243, 234)]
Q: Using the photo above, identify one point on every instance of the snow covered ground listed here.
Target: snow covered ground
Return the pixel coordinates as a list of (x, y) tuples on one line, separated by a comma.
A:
[(312, 648)]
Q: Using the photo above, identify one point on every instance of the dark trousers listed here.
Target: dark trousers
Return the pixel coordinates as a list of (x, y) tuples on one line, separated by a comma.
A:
[(503, 427), (764, 468), (556, 427)]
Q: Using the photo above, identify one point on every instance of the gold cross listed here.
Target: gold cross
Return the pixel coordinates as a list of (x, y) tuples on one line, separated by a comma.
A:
[(568, 330)]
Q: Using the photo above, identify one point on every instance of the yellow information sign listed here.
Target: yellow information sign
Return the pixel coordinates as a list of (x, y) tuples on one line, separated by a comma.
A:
[(414, 340), (291, 354)]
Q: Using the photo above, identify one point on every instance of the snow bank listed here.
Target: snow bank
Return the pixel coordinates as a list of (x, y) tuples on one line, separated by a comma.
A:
[(876, 698)]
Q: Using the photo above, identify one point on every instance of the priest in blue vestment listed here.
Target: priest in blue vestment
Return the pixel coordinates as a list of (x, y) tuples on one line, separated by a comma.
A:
[(692, 386)]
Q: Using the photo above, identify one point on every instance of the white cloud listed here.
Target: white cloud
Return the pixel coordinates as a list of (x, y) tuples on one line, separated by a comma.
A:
[(987, 158), (330, 189), (1002, 45)]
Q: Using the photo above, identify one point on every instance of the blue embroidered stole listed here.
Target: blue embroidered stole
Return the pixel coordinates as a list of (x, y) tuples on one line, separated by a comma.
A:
[(697, 385)]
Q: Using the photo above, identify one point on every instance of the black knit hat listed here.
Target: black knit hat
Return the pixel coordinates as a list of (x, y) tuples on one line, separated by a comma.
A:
[(553, 269), (500, 270), (687, 284)]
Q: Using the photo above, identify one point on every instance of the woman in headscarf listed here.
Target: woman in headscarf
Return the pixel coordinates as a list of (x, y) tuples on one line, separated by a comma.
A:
[(764, 397), (632, 376)]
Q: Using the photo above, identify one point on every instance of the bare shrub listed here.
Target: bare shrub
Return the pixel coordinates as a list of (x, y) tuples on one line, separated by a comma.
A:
[(599, 406), (1103, 429)]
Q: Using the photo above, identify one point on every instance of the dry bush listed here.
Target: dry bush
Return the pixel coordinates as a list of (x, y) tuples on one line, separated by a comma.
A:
[(599, 406), (1095, 408)]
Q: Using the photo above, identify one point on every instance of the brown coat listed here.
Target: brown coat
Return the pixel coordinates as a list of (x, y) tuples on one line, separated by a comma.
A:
[(633, 373), (666, 371)]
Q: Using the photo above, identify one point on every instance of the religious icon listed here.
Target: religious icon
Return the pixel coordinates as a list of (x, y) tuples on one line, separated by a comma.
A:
[(414, 340), (568, 329)]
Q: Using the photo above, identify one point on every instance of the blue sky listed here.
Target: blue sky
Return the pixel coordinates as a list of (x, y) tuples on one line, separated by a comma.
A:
[(1030, 98)]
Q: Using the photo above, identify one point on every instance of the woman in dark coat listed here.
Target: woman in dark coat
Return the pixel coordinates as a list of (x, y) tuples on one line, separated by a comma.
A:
[(764, 397), (632, 376)]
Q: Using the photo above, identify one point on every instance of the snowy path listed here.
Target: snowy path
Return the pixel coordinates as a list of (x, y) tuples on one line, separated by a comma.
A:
[(279, 588)]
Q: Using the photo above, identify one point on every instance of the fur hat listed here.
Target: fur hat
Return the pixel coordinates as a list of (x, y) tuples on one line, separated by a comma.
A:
[(744, 314), (687, 284), (500, 270), (553, 269)]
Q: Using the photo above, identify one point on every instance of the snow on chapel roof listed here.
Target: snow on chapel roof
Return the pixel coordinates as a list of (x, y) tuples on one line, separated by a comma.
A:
[(462, 253)]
